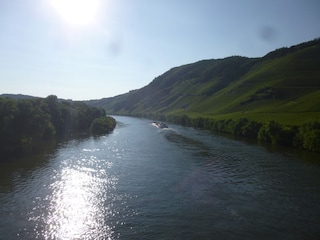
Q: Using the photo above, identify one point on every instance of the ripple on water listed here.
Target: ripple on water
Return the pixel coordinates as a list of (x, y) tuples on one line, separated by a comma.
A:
[(81, 201), (145, 183)]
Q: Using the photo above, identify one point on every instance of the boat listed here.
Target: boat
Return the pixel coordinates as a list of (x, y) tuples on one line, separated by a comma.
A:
[(160, 124)]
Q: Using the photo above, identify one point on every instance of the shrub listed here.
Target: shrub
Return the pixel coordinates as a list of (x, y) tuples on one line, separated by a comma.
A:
[(251, 129), (311, 141), (270, 132), (238, 125), (103, 125), (287, 135), (308, 136)]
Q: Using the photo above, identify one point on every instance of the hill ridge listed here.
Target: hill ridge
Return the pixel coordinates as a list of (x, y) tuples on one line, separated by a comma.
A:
[(285, 77)]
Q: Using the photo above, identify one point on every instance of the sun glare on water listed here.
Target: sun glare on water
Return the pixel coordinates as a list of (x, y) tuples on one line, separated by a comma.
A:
[(77, 12)]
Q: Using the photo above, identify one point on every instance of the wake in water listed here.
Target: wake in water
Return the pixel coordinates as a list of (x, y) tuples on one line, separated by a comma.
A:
[(143, 182)]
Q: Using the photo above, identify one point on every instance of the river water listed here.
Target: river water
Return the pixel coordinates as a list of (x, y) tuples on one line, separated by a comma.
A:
[(141, 182)]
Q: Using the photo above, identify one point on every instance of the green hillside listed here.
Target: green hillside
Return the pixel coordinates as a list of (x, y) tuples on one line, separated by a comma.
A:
[(283, 86)]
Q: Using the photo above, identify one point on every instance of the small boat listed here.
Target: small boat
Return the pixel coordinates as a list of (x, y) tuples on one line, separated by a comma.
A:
[(160, 124)]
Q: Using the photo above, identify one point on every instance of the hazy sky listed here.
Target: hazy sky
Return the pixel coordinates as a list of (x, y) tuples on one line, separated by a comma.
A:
[(90, 49)]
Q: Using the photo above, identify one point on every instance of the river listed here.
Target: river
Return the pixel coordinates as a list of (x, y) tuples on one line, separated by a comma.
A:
[(141, 182)]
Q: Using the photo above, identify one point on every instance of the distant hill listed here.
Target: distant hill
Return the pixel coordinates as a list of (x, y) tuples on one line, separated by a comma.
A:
[(284, 85), (16, 96)]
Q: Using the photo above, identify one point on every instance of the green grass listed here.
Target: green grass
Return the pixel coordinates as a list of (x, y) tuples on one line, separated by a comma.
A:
[(283, 86), (285, 118)]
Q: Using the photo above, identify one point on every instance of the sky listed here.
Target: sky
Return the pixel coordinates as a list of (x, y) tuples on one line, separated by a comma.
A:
[(92, 49)]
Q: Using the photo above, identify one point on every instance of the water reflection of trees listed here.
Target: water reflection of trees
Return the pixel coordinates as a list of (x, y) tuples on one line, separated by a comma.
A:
[(25, 124)]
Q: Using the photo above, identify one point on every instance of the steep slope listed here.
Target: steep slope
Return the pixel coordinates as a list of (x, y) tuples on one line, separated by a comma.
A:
[(179, 87), (283, 85), (288, 84)]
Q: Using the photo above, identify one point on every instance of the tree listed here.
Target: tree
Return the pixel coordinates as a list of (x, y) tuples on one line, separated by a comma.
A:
[(270, 132), (308, 136), (29, 123), (239, 124), (103, 125), (251, 129)]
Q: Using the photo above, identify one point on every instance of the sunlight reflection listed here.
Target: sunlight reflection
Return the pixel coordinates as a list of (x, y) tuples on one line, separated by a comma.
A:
[(77, 207)]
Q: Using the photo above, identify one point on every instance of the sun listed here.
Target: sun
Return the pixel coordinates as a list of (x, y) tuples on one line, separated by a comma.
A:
[(77, 12)]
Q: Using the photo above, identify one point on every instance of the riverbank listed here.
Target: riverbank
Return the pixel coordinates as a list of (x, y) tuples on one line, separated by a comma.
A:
[(142, 183), (305, 136), (29, 125)]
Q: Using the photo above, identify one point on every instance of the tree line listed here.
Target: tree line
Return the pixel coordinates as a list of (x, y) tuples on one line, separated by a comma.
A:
[(30, 122), (306, 136)]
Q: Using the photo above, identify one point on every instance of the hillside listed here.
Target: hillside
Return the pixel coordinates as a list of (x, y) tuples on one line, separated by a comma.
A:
[(284, 85)]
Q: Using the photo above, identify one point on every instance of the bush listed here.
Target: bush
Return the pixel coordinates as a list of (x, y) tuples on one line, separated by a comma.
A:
[(305, 137), (270, 132), (308, 136), (312, 141), (238, 125), (251, 129), (287, 135), (103, 125)]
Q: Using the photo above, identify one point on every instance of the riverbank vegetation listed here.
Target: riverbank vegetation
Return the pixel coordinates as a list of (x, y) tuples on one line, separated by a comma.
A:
[(306, 136), (102, 125), (274, 98), (28, 124)]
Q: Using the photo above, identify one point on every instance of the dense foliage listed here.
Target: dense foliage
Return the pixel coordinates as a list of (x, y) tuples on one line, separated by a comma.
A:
[(103, 125), (306, 136), (29, 122)]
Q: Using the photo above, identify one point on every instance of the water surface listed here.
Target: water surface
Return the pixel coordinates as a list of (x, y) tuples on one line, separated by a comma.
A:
[(141, 182)]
